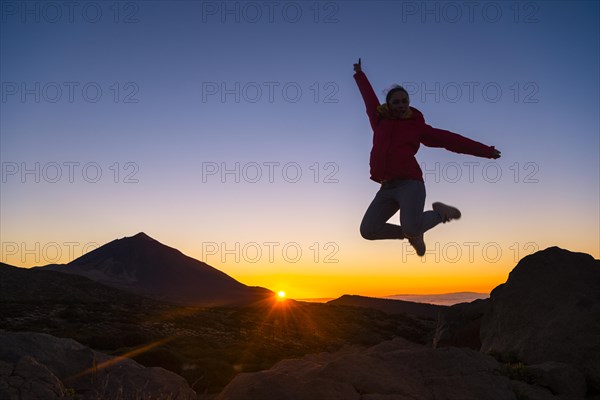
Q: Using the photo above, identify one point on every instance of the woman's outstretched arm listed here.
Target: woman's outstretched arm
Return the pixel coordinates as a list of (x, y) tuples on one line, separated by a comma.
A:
[(368, 95), (433, 137)]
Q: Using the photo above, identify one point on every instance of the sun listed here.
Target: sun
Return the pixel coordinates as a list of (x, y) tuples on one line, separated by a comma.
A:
[(281, 295)]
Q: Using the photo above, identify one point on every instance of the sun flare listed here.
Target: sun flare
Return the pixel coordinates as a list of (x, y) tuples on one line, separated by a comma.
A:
[(281, 294)]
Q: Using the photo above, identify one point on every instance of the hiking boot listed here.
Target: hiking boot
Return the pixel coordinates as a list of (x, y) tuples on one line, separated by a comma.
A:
[(447, 212), (419, 245)]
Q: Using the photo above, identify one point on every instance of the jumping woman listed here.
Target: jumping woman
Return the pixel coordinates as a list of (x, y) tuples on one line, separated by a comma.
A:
[(398, 131)]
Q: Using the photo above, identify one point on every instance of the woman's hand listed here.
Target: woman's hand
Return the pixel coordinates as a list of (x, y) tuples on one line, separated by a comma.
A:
[(357, 67)]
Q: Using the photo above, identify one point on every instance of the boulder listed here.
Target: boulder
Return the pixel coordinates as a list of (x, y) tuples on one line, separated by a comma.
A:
[(460, 325), (392, 370), (529, 392), (548, 310), (41, 366), (29, 380), (559, 378)]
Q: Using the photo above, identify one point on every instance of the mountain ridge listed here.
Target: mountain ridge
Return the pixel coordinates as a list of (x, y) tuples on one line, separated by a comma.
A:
[(391, 306), (145, 266)]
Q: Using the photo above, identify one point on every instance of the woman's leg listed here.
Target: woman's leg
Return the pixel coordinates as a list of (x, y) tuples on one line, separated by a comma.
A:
[(407, 196), (374, 224), (413, 221)]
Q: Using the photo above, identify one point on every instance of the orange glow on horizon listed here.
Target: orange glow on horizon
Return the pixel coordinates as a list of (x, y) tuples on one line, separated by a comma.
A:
[(452, 264), (308, 286)]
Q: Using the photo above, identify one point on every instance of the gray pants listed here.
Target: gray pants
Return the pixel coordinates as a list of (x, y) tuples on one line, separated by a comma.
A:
[(405, 195)]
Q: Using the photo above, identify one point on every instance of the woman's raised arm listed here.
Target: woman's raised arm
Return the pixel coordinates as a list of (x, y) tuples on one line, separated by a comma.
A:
[(368, 95)]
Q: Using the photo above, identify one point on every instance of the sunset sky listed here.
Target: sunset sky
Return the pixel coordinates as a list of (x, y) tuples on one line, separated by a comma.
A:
[(234, 132)]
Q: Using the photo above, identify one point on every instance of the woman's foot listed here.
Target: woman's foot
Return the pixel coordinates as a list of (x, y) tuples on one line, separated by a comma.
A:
[(419, 245), (447, 212)]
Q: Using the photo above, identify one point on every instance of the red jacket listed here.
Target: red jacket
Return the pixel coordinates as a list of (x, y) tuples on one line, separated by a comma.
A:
[(396, 141)]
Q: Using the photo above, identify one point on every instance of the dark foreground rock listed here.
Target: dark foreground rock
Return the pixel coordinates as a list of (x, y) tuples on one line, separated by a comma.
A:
[(542, 328), (460, 325), (40, 366), (548, 311), (420, 310), (392, 370)]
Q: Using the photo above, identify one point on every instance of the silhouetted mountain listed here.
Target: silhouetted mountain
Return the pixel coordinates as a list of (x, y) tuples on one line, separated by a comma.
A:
[(142, 265), (421, 310), (35, 285)]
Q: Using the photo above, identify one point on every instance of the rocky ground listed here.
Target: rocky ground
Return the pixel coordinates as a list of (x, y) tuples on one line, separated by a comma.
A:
[(536, 338), (206, 346)]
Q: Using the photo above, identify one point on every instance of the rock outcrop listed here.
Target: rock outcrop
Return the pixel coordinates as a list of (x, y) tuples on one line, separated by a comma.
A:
[(542, 327), (395, 369), (460, 325), (539, 334), (28, 379), (40, 366), (420, 310), (548, 310)]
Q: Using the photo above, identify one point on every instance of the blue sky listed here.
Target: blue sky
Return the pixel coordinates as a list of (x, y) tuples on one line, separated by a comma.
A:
[(529, 84)]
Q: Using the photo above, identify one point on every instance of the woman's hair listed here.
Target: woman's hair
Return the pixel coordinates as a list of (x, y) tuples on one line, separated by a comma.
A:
[(394, 89)]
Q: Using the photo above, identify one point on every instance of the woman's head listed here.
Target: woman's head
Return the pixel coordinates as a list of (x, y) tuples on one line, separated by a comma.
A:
[(397, 100)]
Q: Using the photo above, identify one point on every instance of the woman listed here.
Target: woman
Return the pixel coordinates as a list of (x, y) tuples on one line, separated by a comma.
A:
[(398, 131)]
